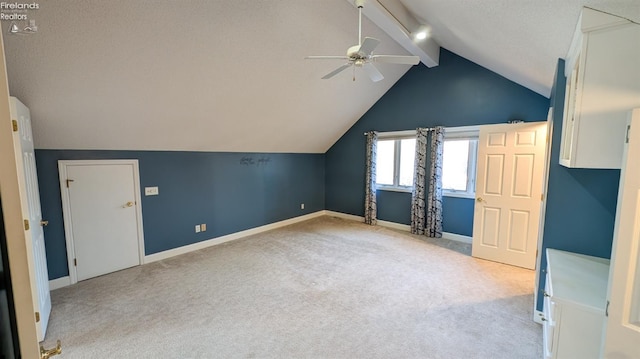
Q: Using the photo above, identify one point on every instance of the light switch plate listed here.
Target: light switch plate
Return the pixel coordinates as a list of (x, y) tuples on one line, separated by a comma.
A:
[(151, 191)]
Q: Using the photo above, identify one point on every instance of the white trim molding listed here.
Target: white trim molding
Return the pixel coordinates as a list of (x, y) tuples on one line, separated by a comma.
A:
[(457, 237), (227, 238), (59, 283), (394, 225), (66, 281), (350, 217), (399, 226)]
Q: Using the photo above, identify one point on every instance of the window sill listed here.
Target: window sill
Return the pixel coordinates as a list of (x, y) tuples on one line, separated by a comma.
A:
[(459, 194), (395, 189)]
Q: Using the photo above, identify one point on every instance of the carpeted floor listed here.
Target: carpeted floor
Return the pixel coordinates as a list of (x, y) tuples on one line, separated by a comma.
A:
[(325, 288)]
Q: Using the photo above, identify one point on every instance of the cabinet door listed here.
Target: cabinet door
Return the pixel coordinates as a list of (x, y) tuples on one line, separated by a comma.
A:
[(604, 85), (567, 146), (622, 331)]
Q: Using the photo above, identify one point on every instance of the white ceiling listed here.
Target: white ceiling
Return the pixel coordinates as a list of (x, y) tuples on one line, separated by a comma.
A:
[(230, 75), (193, 75), (518, 39)]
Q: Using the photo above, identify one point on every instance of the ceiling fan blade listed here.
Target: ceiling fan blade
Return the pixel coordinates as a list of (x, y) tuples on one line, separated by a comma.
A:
[(368, 45), (372, 71), (326, 58), (391, 59), (336, 71)]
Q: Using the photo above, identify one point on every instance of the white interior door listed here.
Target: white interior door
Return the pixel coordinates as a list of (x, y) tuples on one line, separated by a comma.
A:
[(622, 331), (26, 163), (102, 216), (508, 192)]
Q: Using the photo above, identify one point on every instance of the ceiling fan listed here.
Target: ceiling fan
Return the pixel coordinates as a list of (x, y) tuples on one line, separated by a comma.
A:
[(361, 55)]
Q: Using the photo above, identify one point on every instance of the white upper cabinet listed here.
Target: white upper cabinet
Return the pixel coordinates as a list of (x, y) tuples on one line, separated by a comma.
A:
[(603, 84)]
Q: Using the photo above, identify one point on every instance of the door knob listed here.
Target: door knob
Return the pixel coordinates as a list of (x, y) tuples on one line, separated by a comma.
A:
[(48, 353), (128, 204), (479, 199), (44, 223)]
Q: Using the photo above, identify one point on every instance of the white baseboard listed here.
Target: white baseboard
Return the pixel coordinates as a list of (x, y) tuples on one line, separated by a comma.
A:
[(399, 226), (537, 316), (65, 281), (350, 217), (229, 237), (457, 237), (394, 225), (59, 283)]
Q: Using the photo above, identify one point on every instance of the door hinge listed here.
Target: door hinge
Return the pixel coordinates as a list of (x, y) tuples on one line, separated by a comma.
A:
[(37, 317), (606, 310), (14, 123), (542, 196), (26, 224), (69, 181), (628, 130), (75, 262)]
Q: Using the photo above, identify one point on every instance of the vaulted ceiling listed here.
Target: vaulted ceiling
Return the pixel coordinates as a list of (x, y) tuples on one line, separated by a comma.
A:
[(230, 75)]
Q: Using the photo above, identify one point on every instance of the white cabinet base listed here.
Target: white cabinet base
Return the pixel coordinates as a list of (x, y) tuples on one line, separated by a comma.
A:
[(574, 305)]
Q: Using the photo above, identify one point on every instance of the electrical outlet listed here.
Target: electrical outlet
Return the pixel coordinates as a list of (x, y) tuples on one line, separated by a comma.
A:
[(198, 228), (203, 227), (301, 205)]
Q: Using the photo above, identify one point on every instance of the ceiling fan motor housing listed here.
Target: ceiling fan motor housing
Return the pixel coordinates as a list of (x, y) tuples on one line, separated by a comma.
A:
[(353, 52)]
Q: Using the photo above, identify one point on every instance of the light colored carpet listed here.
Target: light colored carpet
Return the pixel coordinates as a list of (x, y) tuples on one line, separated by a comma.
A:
[(325, 288)]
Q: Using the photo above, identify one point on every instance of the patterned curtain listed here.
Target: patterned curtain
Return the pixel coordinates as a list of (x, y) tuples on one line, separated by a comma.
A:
[(419, 183), (370, 209), (434, 200)]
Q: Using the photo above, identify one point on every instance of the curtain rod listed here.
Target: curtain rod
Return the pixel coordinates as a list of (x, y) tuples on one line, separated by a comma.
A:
[(427, 128)]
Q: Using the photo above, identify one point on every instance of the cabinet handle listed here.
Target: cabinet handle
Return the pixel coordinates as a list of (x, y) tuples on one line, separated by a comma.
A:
[(545, 294), (543, 319)]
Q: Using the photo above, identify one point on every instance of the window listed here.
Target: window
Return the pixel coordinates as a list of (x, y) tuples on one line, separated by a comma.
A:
[(394, 163), (459, 162)]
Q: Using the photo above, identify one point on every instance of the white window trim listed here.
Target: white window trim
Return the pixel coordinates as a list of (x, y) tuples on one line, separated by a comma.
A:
[(395, 135), (465, 132)]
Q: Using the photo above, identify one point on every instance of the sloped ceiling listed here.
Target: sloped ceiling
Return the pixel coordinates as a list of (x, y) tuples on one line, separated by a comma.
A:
[(230, 75), (520, 40), (192, 75)]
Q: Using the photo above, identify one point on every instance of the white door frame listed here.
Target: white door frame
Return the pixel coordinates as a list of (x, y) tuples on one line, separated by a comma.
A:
[(66, 210), (14, 210), (538, 315)]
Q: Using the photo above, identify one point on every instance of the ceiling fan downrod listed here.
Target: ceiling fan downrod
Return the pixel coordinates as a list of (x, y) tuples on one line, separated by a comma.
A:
[(360, 5)]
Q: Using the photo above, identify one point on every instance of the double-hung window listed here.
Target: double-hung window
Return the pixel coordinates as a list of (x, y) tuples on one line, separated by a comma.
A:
[(459, 161), (395, 160)]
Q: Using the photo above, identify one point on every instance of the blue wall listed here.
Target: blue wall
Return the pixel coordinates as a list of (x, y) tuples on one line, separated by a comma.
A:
[(455, 93), (219, 189), (581, 203)]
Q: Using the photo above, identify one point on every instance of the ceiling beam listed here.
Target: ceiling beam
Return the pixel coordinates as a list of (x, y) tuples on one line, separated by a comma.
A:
[(396, 20)]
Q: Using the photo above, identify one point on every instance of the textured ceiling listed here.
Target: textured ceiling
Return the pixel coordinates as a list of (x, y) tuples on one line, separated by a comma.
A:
[(230, 75), (518, 39), (192, 75)]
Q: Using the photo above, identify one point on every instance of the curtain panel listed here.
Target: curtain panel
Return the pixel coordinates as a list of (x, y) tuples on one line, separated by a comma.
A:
[(418, 193), (434, 199), (370, 208)]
